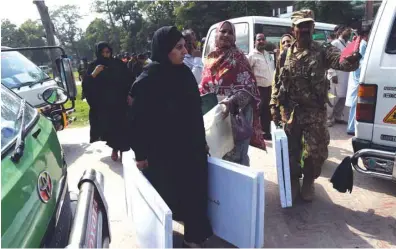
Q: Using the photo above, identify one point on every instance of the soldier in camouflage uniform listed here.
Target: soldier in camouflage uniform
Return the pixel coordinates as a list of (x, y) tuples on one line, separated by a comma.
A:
[(299, 100)]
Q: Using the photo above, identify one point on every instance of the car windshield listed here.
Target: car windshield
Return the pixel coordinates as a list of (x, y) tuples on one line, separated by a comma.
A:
[(17, 70), (10, 125)]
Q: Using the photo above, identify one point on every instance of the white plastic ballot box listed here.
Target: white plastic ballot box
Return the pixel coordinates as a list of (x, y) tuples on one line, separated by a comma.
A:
[(281, 155), (218, 132), (236, 205), (259, 243), (149, 214)]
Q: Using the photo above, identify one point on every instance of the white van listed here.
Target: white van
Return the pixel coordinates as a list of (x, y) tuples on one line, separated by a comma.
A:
[(273, 28), (375, 141), (24, 77)]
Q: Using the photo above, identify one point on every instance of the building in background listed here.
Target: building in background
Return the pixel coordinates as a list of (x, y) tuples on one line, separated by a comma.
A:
[(280, 8)]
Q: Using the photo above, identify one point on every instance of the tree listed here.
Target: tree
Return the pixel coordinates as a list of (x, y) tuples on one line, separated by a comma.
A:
[(200, 15), (10, 34), (156, 14), (35, 37), (107, 7), (65, 19), (49, 31), (338, 12), (29, 34), (97, 30), (128, 17)]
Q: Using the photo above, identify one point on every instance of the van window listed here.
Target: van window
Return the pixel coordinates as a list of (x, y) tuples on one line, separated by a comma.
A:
[(10, 125), (319, 36), (17, 71), (210, 44), (241, 34), (273, 33), (391, 45)]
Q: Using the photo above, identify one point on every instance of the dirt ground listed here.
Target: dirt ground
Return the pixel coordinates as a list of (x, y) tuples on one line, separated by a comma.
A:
[(365, 218)]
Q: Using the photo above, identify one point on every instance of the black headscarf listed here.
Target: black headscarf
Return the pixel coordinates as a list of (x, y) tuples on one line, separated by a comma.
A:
[(164, 40), (100, 60)]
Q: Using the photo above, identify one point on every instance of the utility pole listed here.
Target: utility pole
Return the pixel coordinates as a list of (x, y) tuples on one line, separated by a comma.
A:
[(369, 12), (49, 31)]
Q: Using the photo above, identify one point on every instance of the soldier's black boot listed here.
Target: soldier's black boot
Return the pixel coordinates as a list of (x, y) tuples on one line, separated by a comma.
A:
[(295, 189), (308, 189)]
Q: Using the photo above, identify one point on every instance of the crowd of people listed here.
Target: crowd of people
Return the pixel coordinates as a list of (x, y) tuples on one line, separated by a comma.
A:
[(155, 108)]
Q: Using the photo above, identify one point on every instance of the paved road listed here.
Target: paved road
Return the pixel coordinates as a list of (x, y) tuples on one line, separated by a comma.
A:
[(366, 218)]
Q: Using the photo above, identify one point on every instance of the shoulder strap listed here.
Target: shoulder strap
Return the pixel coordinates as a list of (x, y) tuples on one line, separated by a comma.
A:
[(342, 42)]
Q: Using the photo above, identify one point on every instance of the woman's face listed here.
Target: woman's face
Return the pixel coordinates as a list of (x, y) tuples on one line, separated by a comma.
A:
[(176, 56), (226, 36), (286, 42), (106, 53)]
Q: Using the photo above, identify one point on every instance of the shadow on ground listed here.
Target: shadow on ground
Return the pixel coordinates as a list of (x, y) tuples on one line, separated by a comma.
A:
[(323, 223)]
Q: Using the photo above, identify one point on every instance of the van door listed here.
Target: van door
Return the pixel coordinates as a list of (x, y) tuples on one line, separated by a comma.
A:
[(385, 117), (380, 71)]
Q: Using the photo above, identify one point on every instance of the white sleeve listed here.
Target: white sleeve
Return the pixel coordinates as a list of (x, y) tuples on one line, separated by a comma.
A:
[(197, 69), (251, 60)]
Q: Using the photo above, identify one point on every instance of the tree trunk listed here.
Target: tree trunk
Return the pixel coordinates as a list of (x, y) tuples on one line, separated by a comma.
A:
[(49, 30), (114, 29)]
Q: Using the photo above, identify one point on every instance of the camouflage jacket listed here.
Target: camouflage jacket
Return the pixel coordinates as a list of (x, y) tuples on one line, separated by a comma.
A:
[(301, 91)]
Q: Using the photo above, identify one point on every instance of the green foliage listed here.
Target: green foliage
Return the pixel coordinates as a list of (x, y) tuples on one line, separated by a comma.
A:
[(29, 34), (65, 19), (130, 25), (98, 30), (337, 12)]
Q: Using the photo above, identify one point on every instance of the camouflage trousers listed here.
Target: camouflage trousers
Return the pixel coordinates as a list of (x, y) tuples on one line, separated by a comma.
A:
[(308, 149)]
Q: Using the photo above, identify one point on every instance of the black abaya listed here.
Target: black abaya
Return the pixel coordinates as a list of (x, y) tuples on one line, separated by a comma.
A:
[(106, 95), (169, 132)]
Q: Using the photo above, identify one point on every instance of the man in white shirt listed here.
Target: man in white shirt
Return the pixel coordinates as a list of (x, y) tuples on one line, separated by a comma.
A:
[(263, 67), (339, 79), (194, 57)]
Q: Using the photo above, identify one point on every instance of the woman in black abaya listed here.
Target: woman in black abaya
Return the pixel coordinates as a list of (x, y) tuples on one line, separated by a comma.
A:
[(169, 135), (105, 86)]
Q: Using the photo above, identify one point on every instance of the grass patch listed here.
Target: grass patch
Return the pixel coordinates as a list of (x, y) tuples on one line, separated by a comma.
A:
[(81, 110), (75, 73)]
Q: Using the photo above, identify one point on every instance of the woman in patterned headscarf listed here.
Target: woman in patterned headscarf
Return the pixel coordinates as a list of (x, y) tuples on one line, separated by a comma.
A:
[(227, 72)]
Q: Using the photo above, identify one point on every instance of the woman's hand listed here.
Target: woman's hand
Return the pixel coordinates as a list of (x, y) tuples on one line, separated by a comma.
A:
[(227, 104), (97, 70), (142, 164)]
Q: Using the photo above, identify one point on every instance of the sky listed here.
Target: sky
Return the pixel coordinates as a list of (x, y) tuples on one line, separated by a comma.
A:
[(18, 11)]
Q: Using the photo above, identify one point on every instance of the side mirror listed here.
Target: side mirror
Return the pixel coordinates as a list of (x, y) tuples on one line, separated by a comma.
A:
[(55, 96), (65, 69)]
